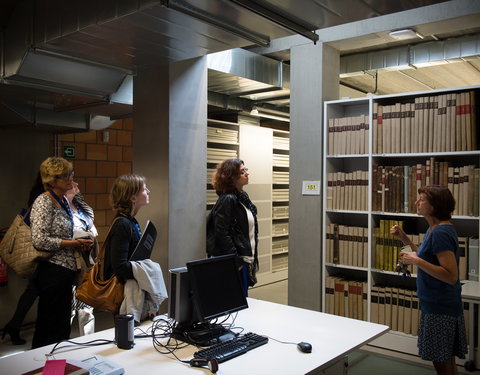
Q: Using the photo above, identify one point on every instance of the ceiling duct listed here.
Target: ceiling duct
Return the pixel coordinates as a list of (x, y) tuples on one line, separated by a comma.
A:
[(410, 57), (53, 71), (15, 115), (251, 66), (452, 50), (49, 73), (27, 62), (242, 74), (230, 103)]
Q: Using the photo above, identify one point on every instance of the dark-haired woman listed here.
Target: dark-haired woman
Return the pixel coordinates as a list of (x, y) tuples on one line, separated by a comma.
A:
[(441, 334), (232, 226)]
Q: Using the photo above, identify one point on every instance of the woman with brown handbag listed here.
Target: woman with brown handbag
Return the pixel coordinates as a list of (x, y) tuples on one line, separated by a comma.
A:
[(129, 194)]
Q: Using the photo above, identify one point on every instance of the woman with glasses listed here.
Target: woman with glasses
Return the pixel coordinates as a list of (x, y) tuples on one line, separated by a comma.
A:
[(52, 230), (232, 226), (441, 335)]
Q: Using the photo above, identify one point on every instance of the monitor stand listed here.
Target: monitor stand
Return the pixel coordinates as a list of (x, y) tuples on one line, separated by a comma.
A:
[(201, 334)]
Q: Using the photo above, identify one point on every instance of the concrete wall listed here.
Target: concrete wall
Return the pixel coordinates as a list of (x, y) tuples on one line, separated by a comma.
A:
[(170, 138), (314, 78)]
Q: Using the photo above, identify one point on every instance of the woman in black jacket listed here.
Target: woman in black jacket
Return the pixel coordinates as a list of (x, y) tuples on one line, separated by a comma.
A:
[(232, 226)]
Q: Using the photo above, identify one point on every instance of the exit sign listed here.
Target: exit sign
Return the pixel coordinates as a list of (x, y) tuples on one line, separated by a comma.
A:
[(69, 152)]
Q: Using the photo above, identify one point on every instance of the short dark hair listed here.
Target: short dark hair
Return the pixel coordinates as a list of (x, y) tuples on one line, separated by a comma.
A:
[(225, 175), (441, 200)]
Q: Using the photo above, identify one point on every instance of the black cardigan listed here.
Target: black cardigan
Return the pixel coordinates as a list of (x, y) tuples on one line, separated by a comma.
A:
[(120, 245)]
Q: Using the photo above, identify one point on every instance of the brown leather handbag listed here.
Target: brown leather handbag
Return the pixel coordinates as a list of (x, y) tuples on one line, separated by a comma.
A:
[(99, 293)]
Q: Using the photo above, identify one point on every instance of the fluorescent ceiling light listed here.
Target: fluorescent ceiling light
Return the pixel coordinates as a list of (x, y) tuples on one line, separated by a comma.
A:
[(352, 74), (395, 68), (404, 34), (429, 63)]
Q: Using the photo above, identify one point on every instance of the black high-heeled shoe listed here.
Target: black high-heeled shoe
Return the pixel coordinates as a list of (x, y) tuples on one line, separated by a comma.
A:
[(14, 335)]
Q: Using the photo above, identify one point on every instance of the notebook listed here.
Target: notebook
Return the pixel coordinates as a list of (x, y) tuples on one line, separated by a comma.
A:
[(144, 248)]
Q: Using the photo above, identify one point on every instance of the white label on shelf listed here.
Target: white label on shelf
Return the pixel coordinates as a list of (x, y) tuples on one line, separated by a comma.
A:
[(311, 188)]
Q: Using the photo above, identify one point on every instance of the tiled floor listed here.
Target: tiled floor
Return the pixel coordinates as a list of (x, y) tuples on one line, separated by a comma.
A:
[(366, 361)]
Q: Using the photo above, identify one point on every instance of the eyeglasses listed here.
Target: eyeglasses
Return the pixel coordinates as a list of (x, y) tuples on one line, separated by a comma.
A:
[(66, 176), (243, 171)]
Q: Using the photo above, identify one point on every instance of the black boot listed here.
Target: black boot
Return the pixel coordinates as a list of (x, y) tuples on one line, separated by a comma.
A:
[(14, 335)]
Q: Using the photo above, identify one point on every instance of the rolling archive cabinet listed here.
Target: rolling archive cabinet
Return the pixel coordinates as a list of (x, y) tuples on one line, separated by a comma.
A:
[(377, 152)]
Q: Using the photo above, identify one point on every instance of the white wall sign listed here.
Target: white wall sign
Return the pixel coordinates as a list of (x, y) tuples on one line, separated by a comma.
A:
[(311, 188)]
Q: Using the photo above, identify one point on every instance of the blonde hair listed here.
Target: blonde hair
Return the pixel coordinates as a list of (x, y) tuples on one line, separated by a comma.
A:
[(123, 190), (53, 167)]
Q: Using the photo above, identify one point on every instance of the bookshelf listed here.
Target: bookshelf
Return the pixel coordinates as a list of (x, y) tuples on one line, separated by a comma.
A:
[(266, 153), (377, 152)]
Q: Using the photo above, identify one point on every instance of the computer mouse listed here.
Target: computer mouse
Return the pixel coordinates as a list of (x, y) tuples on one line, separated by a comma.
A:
[(304, 347)]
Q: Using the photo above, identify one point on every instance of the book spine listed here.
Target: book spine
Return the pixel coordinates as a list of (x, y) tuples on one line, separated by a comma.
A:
[(473, 259)]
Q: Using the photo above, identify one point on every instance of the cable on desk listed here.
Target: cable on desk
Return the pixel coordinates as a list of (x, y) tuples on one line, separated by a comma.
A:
[(163, 327), (74, 344)]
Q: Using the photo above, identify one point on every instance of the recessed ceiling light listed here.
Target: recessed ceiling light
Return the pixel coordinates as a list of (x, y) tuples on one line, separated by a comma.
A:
[(404, 34)]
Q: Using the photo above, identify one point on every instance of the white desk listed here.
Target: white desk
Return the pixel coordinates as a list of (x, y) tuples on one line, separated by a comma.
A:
[(332, 337), (471, 294)]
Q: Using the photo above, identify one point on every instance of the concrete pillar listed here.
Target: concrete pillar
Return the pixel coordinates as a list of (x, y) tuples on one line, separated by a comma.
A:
[(314, 73), (169, 141)]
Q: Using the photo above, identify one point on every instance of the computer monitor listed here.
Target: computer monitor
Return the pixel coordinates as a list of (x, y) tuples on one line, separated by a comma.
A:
[(202, 291)]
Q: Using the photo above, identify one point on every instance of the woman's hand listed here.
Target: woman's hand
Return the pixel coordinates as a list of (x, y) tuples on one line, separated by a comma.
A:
[(398, 232), (409, 257), (84, 244)]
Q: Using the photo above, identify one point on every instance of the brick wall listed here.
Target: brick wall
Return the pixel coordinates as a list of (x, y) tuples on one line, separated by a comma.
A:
[(97, 164)]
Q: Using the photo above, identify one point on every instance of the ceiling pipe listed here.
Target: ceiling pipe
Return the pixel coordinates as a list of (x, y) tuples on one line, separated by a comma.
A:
[(185, 8), (278, 19)]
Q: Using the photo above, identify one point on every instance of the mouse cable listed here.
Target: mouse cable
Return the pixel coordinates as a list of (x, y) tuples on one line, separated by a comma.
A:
[(281, 342)]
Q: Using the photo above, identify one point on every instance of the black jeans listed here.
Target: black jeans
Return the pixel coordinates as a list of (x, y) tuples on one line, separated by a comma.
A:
[(24, 304), (54, 283)]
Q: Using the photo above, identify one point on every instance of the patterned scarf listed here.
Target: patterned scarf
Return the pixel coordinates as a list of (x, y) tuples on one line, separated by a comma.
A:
[(245, 200)]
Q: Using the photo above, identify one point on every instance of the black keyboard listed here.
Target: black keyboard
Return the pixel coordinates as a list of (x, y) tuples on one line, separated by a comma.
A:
[(229, 349)]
